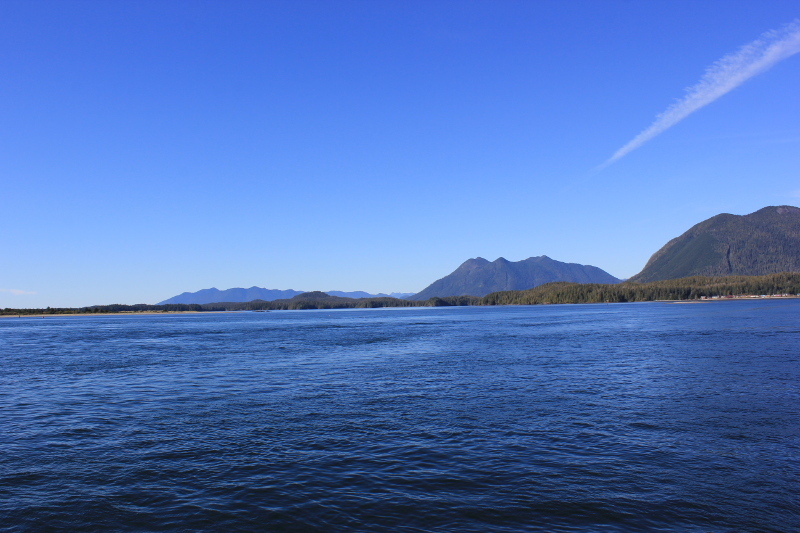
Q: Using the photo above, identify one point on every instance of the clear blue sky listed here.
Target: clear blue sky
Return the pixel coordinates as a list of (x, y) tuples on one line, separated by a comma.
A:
[(151, 148)]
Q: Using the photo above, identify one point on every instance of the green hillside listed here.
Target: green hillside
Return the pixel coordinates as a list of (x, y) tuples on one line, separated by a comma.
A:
[(764, 242)]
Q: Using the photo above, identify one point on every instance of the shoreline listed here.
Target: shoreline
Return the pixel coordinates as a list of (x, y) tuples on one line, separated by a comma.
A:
[(139, 313), (121, 313)]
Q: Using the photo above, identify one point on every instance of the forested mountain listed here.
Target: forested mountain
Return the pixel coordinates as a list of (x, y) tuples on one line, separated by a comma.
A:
[(764, 242), (479, 277), (213, 295)]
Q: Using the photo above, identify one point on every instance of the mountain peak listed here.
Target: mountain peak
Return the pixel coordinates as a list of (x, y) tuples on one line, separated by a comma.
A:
[(479, 278), (471, 263), (312, 295)]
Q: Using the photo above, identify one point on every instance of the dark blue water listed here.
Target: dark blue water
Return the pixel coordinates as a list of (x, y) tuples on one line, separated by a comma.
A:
[(627, 417)]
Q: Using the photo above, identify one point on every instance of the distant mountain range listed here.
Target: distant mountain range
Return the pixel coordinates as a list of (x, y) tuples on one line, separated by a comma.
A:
[(764, 242), (213, 295), (479, 277)]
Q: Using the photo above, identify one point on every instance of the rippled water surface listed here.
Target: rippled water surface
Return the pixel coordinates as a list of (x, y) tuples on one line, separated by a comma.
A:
[(626, 417)]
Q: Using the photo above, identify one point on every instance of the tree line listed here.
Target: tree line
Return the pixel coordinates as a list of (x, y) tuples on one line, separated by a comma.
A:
[(691, 288)]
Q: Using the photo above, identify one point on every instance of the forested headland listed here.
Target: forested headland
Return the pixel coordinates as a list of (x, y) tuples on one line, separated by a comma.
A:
[(691, 288)]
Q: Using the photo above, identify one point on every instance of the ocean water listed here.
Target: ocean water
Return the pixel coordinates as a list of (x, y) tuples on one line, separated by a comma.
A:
[(607, 418)]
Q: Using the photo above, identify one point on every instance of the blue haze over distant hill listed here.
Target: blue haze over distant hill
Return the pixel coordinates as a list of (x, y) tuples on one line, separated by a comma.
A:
[(214, 295)]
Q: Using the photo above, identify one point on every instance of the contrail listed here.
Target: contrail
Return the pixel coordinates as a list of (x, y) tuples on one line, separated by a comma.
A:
[(16, 291), (722, 77)]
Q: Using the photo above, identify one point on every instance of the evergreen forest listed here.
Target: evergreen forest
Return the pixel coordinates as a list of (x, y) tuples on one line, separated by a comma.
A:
[(691, 288)]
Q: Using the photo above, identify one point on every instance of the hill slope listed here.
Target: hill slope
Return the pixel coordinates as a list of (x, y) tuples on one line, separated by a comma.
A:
[(764, 242), (479, 277)]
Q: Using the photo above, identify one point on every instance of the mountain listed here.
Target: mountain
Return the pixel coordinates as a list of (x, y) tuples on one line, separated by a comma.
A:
[(479, 277), (764, 242), (362, 294), (213, 295), (354, 294), (400, 295)]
